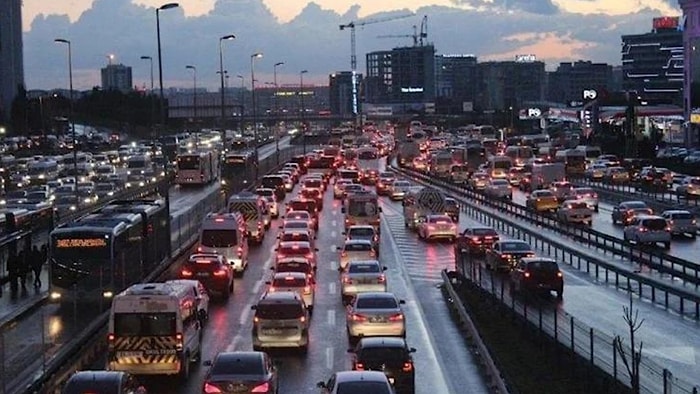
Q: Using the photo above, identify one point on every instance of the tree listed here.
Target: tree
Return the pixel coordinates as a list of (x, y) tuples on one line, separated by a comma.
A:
[(630, 357)]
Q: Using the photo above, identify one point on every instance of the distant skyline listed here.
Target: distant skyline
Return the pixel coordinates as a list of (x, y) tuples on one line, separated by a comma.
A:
[(305, 34)]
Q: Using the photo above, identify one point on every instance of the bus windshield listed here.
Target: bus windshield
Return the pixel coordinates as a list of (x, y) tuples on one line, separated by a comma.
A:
[(502, 164), (362, 208), (188, 162), (219, 238)]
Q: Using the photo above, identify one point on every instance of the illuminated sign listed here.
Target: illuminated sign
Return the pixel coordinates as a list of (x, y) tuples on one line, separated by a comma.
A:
[(530, 113), (695, 118), (455, 55), (81, 243), (666, 22), (235, 160), (589, 94), (295, 93), (411, 90), (525, 58)]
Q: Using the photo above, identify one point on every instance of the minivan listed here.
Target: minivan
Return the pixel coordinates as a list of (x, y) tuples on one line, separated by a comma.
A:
[(281, 320)]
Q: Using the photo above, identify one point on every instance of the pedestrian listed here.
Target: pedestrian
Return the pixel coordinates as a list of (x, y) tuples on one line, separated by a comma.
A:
[(22, 268), (36, 263), (12, 271)]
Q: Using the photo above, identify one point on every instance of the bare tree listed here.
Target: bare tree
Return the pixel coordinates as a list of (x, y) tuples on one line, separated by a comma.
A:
[(631, 357)]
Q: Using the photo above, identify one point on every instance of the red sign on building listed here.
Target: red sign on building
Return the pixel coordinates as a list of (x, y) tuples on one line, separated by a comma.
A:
[(666, 22)]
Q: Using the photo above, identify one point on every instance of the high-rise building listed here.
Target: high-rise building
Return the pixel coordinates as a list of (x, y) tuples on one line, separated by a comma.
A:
[(652, 63), (403, 76), (691, 61), (455, 82), (506, 85), (568, 82), (11, 55), (117, 77), (341, 97)]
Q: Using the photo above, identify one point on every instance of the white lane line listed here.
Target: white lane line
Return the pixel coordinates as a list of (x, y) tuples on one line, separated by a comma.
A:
[(234, 343), (329, 358), (334, 265), (245, 316), (331, 317), (331, 289), (335, 222), (257, 286), (334, 233)]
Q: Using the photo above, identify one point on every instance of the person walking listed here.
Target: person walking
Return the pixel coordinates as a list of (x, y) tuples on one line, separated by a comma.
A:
[(22, 268), (12, 271), (37, 262)]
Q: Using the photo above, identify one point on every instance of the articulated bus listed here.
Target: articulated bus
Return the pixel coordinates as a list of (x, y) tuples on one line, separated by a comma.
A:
[(237, 171), (197, 168)]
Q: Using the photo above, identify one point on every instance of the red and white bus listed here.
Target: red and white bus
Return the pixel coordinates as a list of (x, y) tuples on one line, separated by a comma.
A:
[(197, 168)]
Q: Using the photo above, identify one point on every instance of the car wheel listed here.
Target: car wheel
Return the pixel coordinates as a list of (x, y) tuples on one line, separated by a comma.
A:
[(596, 209), (185, 368)]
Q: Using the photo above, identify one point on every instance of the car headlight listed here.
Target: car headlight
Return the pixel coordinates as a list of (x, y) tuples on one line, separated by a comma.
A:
[(128, 172), (223, 182), (73, 208)]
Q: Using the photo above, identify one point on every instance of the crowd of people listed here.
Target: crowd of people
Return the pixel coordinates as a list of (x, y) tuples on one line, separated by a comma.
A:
[(21, 264)]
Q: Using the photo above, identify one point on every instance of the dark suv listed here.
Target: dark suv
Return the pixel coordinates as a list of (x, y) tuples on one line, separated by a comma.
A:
[(212, 271), (538, 275), (103, 382), (390, 355)]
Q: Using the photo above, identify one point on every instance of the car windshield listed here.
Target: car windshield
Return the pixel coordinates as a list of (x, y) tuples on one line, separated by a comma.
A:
[(542, 193), (219, 238), (279, 311), (144, 324), (266, 192), (484, 231), (376, 303), (362, 268), (292, 266), (681, 216), (515, 247), (389, 355), (289, 281), (361, 232), (294, 236), (655, 224), (582, 191), (312, 183), (357, 247), (635, 205), (238, 366), (576, 205), (294, 249), (402, 184), (549, 266), (296, 224)]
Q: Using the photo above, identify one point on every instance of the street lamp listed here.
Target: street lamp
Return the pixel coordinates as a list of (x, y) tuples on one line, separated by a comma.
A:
[(276, 129), (194, 98), (227, 37), (254, 56), (150, 94), (241, 98), (70, 113), (160, 58), (301, 96)]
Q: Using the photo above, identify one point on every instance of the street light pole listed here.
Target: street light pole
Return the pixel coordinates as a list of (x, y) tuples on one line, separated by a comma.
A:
[(194, 98), (227, 37), (160, 59), (276, 127), (150, 94), (241, 98), (303, 110), (254, 56), (70, 112)]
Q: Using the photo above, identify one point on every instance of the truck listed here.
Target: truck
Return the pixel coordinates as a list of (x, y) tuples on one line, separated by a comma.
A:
[(408, 150), (440, 163), (419, 203), (543, 174)]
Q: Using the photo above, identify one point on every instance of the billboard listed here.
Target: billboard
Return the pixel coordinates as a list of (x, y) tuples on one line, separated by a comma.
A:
[(666, 22)]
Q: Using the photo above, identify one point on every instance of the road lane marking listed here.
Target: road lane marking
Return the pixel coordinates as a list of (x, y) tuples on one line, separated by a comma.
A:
[(334, 233), (329, 358), (256, 287), (331, 288), (331, 317), (234, 343), (334, 265), (245, 316)]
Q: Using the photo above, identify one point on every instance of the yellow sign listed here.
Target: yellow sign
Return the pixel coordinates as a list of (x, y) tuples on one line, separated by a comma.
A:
[(695, 118), (81, 243)]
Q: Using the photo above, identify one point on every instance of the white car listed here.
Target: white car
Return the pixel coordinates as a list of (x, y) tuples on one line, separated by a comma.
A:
[(298, 282), (575, 211), (596, 172), (648, 229), (272, 206), (562, 190), (689, 187), (375, 314), (587, 195), (399, 190), (362, 276), (681, 222), (356, 249), (437, 227), (499, 188)]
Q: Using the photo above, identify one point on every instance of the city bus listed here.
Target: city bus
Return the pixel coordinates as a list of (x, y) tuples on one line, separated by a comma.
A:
[(574, 161), (520, 155), (237, 171), (197, 168)]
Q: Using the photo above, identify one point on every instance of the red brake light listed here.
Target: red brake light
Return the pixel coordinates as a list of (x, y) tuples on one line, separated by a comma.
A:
[(211, 389), (262, 388), (407, 367), (382, 278), (240, 251), (219, 220), (220, 272), (110, 337), (359, 367), (396, 317), (344, 253), (186, 273), (347, 280), (559, 274), (199, 248), (359, 318)]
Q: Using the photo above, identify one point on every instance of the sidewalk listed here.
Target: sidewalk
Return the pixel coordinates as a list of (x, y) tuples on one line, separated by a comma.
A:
[(24, 300)]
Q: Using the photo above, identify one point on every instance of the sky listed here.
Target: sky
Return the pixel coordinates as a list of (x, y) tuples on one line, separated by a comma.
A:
[(305, 34)]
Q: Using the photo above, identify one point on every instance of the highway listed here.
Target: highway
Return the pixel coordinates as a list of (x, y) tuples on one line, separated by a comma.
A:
[(443, 362)]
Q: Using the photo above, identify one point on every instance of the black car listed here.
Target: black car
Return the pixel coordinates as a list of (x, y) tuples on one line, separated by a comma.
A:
[(241, 372), (212, 271), (390, 355), (452, 209), (537, 275), (103, 382), (275, 182)]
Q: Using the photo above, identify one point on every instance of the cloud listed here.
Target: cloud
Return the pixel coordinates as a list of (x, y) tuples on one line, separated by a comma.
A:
[(311, 40), (544, 7)]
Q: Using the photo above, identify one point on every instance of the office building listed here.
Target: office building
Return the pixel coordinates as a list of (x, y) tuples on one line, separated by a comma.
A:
[(403, 76), (652, 63), (508, 85), (568, 82), (11, 55), (455, 83), (116, 77), (340, 86), (691, 61)]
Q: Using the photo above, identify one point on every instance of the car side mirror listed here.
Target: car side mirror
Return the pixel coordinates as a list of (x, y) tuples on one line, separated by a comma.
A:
[(402, 302), (207, 363), (342, 210), (385, 268), (412, 350), (267, 282), (321, 385), (254, 307), (379, 209)]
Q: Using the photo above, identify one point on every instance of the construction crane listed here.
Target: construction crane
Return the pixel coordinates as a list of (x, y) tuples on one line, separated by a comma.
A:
[(423, 30), (417, 37), (352, 25)]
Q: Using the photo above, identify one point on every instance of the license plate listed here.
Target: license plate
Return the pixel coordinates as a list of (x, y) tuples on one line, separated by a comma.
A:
[(203, 274), (272, 331), (129, 354), (377, 320)]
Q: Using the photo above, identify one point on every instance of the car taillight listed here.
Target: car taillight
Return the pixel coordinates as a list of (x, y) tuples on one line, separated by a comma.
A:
[(240, 251), (211, 389), (372, 253), (199, 248), (220, 272), (560, 274), (178, 341), (307, 289), (347, 280), (261, 388), (302, 319), (256, 319), (186, 273), (359, 318), (431, 227), (526, 274), (381, 278), (668, 228), (344, 254), (309, 255), (110, 340), (643, 229), (396, 317), (506, 256), (407, 367), (359, 367)]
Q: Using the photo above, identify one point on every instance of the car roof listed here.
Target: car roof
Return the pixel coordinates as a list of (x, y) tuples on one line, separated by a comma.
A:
[(357, 242), (676, 211), (636, 202), (537, 259), (363, 262), (382, 342), (354, 376), (291, 244), (99, 381), (280, 297)]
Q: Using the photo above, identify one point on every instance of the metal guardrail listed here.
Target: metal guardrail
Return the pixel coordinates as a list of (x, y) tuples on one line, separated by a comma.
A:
[(493, 374), (625, 280), (89, 345), (571, 255)]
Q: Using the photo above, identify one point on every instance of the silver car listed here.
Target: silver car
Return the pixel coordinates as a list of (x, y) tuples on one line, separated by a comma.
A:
[(281, 321), (681, 222), (363, 232), (375, 314), (575, 211), (298, 282), (358, 249), (399, 190), (587, 195), (648, 229), (362, 276)]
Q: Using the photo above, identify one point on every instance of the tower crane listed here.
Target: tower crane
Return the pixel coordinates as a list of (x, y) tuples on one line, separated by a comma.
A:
[(423, 30), (351, 25), (414, 35)]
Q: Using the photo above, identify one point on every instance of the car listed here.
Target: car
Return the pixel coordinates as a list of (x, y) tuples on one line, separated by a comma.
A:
[(303, 204), (537, 274), (281, 320), (295, 235), (479, 180), (303, 215), (648, 229), (312, 182), (681, 222), (542, 201), (352, 188), (113, 382), (212, 270), (654, 179), (298, 282), (339, 188), (562, 190), (363, 232), (313, 194), (375, 314), (369, 382), (504, 254), (272, 206), (291, 174), (476, 240), (389, 355), (596, 172), (625, 211), (356, 249), (452, 209), (384, 182), (499, 188), (575, 211), (587, 195), (294, 264), (298, 225), (399, 189), (296, 249), (689, 187), (241, 372), (361, 276), (437, 227), (617, 174), (288, 181)]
